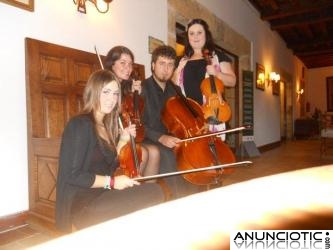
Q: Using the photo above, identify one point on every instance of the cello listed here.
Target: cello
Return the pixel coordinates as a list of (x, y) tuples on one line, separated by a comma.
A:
[(183, 117), (212, 89)]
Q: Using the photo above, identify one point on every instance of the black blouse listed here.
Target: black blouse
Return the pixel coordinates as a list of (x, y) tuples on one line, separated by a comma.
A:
[(194, 73)]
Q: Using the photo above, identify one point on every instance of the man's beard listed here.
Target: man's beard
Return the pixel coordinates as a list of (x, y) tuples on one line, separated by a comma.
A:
[(163, 79)]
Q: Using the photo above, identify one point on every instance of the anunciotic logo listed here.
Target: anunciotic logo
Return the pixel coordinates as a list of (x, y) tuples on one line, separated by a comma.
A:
[(281, 239)]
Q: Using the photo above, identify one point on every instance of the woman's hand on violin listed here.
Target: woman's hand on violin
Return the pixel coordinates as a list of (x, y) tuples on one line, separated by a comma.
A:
[(211, 70), (125, 136), (136, 85), (123, 181), (169, 141), (129, 131)]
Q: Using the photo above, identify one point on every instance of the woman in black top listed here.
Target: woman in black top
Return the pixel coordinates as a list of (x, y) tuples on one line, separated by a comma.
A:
[(87, 190), (120, 61), (193, 67)]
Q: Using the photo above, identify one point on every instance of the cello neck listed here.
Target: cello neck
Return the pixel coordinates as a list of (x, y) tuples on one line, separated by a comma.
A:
[(185, 101)]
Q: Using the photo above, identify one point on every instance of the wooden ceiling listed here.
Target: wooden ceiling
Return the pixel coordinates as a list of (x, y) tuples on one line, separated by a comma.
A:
[(305, 25)]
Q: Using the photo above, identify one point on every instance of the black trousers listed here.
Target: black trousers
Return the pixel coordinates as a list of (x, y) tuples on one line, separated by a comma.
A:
[(110, 204)]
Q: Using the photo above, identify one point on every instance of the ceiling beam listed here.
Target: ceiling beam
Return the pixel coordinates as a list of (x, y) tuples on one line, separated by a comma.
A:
[(295, 11)]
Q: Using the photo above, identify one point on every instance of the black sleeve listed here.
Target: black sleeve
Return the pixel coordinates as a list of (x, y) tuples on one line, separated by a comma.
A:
[(151, 114), (75, 152)]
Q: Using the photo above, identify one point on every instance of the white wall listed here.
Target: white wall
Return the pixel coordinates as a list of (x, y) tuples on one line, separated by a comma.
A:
[(129, 23), (58, 22), (315, 92)]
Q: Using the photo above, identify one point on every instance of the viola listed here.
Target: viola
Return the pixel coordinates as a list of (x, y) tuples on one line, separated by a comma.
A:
[(183, 117), (212, 89), (130, 157), (132, 111)]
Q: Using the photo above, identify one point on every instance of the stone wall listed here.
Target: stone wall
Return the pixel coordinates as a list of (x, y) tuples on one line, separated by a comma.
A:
[(224, 36)]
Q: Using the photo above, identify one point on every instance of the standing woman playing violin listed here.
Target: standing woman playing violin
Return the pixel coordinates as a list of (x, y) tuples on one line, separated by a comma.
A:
[(87, 190), (120, 61), (193, 68)]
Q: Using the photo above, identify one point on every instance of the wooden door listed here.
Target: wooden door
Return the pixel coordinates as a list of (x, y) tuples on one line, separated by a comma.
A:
[(56, 77)]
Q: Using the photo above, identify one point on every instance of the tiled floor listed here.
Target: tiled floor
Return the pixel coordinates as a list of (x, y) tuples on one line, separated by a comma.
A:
[(291, 155)]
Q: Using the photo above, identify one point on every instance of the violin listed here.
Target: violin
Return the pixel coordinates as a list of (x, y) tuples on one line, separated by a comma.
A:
[(212, 89), (130, 155), (132, 111)]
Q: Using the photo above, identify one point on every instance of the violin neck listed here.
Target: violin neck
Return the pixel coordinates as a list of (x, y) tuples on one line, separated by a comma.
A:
[(136, 101), (208, 57), (135, 154), (212, 84)]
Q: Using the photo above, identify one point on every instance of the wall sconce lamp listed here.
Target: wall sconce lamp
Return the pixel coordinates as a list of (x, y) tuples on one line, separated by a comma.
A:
[(101, 5), (299, 93), (273, 77), (261, 78)]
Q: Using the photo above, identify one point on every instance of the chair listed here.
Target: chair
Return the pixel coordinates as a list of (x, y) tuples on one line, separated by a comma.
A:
[(326, 133)]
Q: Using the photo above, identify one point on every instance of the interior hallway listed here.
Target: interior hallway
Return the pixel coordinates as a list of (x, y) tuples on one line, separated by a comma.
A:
[(291, 155)]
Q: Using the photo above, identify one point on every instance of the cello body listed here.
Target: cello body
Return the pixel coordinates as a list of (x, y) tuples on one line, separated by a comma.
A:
[(194, 154), (184, 118)]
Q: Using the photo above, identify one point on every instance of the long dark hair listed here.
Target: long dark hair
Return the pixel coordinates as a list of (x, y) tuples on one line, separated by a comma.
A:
[(209, 44), (114, 55)]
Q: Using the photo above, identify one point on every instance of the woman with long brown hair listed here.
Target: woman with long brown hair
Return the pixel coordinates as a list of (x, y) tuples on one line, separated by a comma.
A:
[(87, 190), (120, 61)]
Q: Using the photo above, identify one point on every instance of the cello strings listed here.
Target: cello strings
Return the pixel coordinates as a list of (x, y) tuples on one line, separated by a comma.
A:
[(213, 134)]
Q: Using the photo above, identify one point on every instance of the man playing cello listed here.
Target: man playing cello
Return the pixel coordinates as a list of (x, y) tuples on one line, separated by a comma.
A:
[(157, 89)]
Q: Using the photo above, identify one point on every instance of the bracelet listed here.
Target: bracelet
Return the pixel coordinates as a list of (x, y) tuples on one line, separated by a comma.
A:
[(107, 182), (111, 182)]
